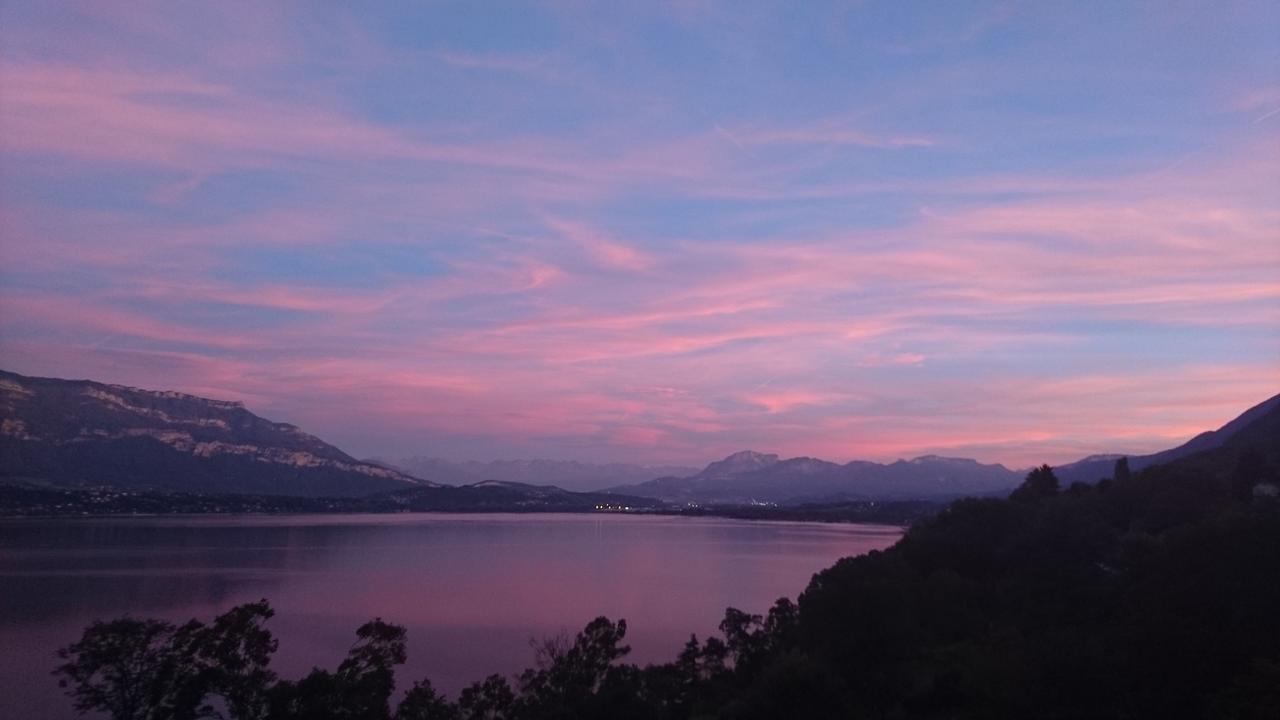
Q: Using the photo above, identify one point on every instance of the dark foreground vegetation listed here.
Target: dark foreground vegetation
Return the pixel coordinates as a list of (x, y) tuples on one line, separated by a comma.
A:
[(887, 512), (1149, 595)]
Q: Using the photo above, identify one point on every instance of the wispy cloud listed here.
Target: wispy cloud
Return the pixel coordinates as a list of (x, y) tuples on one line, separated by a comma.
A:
[(506, 63), (604, 250), (655, 240), (825, 133)]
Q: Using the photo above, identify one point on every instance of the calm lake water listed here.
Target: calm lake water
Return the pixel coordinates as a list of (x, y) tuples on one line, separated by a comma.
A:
[(471, 589)]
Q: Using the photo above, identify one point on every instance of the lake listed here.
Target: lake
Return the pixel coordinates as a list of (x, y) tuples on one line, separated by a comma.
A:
[(473, 590)]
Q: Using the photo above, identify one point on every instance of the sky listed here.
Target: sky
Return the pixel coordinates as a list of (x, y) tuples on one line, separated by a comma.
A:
[(654, 232)]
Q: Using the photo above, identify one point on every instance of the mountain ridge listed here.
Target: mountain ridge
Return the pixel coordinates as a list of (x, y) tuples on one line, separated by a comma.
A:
[(82, 432), (1095, 467), (752, 477)]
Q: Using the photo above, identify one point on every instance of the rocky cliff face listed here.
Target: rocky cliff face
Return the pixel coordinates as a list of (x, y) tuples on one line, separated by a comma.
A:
[(78, 432)]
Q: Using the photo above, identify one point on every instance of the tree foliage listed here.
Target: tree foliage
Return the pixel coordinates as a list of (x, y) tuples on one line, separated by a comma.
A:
[(1040, 483)]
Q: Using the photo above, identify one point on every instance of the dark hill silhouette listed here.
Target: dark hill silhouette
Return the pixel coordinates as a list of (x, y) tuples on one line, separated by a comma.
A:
[(1093, 468)]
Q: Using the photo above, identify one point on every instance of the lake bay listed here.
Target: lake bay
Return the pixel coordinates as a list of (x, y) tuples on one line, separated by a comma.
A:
[(473, 590)]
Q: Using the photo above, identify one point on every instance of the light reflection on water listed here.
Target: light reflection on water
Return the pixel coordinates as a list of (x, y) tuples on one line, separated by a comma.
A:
[(471, 589)]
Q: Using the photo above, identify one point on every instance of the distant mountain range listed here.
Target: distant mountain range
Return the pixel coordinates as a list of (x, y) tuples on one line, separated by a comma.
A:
[(567, 474), (79, 433), (750, 477)]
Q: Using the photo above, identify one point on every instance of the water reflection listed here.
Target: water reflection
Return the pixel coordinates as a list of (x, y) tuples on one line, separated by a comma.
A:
[(472, 589)]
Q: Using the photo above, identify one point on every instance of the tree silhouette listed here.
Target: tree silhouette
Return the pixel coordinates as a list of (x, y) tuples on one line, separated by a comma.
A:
[(574, 674), (154, 670), (422, 702), (1040, 483), (233, 654), (360, 688), (368, 673), (489, 699), (1247, 473), (1121, 473), (128, 669)]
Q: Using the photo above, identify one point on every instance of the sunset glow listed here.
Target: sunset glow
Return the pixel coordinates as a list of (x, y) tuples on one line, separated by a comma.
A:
[(654, 233)]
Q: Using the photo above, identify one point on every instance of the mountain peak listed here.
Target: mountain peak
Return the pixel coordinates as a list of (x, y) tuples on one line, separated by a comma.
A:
[(925, 459), (1101, 457), (746, 455), (740, 462)]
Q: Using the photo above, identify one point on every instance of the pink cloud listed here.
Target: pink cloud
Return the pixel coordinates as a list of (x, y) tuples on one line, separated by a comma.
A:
[(603, 249), (1263, 102), (636, 340), (900, 359), (787, 400), (68, 315), (175, 121), (274, 296)]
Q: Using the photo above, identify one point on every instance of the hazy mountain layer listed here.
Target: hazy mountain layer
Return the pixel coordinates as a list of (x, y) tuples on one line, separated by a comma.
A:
[(748, 477), (567, 474)]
